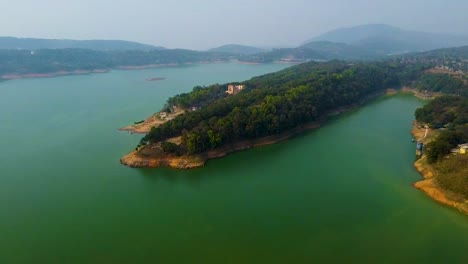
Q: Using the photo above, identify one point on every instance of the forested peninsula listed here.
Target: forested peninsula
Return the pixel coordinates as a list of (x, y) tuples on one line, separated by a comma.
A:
[(270, 108), (212, 122)]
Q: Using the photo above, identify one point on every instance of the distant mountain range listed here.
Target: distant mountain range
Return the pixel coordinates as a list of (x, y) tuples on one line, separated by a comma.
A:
[(237, 49), (361, 43), (34, 44), (384, 39)]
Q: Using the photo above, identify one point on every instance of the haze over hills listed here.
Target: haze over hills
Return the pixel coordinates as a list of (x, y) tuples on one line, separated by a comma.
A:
[(363, 42), (237, 49), (386, 39), (359, 43), (317, 50), (34, 44), (339, 50)]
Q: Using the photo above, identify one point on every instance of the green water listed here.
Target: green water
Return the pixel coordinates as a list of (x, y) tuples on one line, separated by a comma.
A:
[(338, 194)]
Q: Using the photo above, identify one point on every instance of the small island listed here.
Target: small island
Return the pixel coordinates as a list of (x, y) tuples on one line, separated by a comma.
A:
[(155, 79)]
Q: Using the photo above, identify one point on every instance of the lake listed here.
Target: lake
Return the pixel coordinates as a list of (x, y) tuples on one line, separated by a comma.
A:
[(339, 194)]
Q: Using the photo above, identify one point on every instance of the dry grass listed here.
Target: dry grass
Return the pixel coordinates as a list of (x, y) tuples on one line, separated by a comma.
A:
[(150, 122), (452, 174)]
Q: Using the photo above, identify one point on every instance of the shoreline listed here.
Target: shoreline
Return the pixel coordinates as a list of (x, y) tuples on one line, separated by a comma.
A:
[(150, 122), (51, 75), (16, 76), (428, 184), (418, 94), (135, 159)]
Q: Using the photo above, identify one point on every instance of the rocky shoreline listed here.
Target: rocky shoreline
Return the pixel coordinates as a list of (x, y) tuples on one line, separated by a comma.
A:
[(429, 184), (136, 159)]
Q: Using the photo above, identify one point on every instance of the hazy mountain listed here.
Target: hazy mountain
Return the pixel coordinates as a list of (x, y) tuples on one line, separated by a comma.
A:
[(316, 50), (337, 50), (384, 39), (237, 49), (33, 44)]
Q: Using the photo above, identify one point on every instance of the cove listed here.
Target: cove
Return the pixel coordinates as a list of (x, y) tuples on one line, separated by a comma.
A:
[(341, 193)]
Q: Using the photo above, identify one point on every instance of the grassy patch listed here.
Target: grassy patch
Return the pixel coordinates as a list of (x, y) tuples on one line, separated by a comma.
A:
[(452, 174)]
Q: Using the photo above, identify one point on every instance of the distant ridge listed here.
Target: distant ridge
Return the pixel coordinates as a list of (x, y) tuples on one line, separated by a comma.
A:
[(238, 49), (316, 50), (365, 42), (385, 39), (337, 50), (34, 43)]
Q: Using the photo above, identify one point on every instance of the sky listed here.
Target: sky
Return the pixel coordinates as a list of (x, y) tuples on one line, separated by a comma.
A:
[(203, 24)]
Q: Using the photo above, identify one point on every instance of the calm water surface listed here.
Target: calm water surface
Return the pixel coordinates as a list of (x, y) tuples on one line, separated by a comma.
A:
[(339, 194)]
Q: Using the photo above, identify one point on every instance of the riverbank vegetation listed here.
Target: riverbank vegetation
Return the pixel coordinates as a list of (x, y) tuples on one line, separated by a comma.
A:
[(443, 83), (448, 114)]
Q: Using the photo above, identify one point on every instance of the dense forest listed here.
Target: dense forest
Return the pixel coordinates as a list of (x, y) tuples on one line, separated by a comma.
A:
[(443, 83), (450, 115), (274, 103)]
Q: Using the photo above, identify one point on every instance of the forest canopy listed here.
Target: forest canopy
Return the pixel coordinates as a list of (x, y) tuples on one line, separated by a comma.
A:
[(450, 114), (274, 103)]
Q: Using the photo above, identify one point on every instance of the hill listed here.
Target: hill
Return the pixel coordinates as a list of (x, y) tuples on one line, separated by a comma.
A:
[(317, 50), (237, 49), (34, 44), (336, 50), (385, 39)]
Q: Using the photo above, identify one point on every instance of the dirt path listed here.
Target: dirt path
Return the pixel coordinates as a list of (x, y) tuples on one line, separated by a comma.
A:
[(154, 120)]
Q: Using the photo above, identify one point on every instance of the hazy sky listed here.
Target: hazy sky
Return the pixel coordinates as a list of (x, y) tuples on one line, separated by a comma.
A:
[(202, 24)]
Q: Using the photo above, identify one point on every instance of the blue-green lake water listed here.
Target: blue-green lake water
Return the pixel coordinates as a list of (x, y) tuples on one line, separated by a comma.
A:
[(339, 194)]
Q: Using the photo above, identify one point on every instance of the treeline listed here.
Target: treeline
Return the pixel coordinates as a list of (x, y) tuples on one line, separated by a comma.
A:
[(443, 83), (450, 114), (277, 102), (54, 60)]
